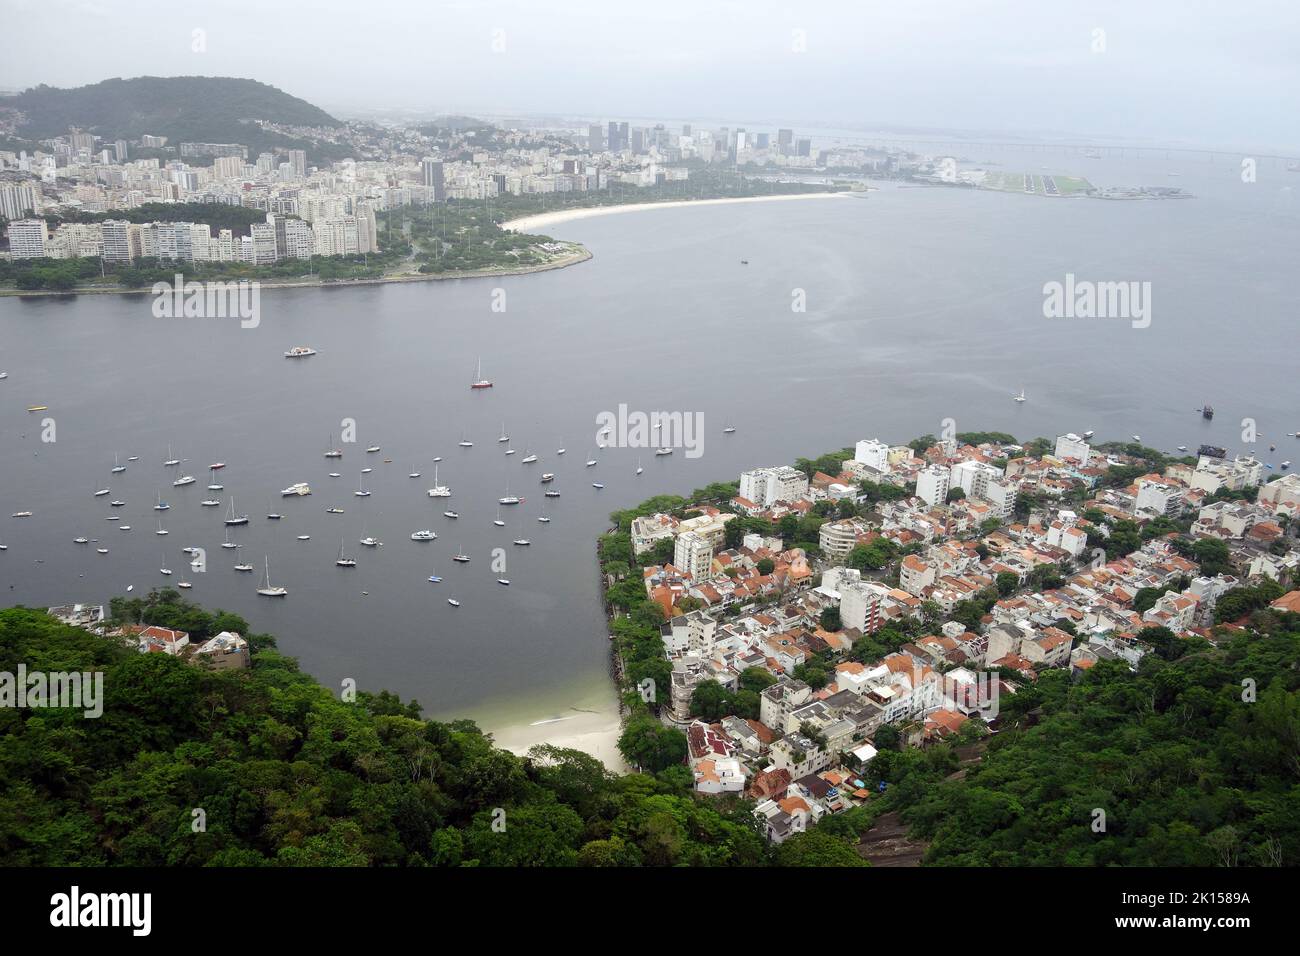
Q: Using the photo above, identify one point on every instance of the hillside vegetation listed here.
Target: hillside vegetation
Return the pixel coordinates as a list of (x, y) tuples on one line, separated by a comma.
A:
[(183, 108)]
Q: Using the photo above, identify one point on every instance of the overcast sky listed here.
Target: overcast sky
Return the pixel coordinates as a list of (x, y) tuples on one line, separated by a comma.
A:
[(1219, 73)]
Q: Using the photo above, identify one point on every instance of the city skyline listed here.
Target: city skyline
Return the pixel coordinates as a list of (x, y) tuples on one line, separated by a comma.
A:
[(1109, 71)]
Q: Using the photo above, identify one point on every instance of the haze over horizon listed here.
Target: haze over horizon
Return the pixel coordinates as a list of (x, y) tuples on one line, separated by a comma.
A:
[(1196, 72)]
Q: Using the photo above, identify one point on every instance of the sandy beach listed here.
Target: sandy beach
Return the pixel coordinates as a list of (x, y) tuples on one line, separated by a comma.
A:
[(544, 219), (594, 733)]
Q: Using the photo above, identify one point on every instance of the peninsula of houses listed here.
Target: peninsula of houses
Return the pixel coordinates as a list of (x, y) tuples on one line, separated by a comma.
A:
[(899, 595)]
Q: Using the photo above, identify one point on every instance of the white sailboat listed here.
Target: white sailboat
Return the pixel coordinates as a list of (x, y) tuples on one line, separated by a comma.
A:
[(1021, 397), (232, 518), (118, 467), (504, 436), (361, 490), (438, 491), (345, 562), (170, 462), (267, 590)]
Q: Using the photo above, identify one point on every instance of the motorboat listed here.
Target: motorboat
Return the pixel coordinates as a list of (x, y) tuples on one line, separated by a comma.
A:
[(298, 489), (299, 351), (425, 535)]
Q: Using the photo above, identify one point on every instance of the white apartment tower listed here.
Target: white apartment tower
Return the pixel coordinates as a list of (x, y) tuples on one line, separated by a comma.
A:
[(693, 554), (932, 484), (1074, 447), (27, 238), (873, 453)]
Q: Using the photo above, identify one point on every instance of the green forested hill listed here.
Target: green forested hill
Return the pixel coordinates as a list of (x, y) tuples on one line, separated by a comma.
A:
[(1187, 768), (286, 773), (183, 108)]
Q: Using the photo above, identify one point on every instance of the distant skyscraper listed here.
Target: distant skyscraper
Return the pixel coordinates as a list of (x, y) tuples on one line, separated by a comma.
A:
[(784, 140), (27, 238), (116, 241), (803, 147), (595, 138), (298, 162), (638, 141), (612, 141), (623, 138), (762, 140), (686, 130), (433, 178)]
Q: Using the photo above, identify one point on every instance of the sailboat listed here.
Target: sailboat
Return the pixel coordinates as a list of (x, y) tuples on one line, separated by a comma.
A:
[(528, 459), (460, 556), (343, 562), (182, 481), (243, 567), (433, 578), (232, 518), (413, 474), (361, 491), (164, 569), (465, 442), (479, 380), (438, 491), (729, 430), (170, 462), (591, 462), (504, 436), (161, 529), (331, 451), (521, 541), (214, 485), (266, 590), (161, 505), (639, 469), (101, 492), (118, 467), (1021, 397), (498, 522), (228, 544)]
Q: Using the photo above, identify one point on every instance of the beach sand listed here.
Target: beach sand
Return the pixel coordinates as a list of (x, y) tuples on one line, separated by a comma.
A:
[(594, 733), (542, 220)]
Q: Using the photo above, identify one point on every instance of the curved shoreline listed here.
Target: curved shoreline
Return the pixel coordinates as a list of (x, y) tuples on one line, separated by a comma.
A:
[(572, 260), (543, 219)]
